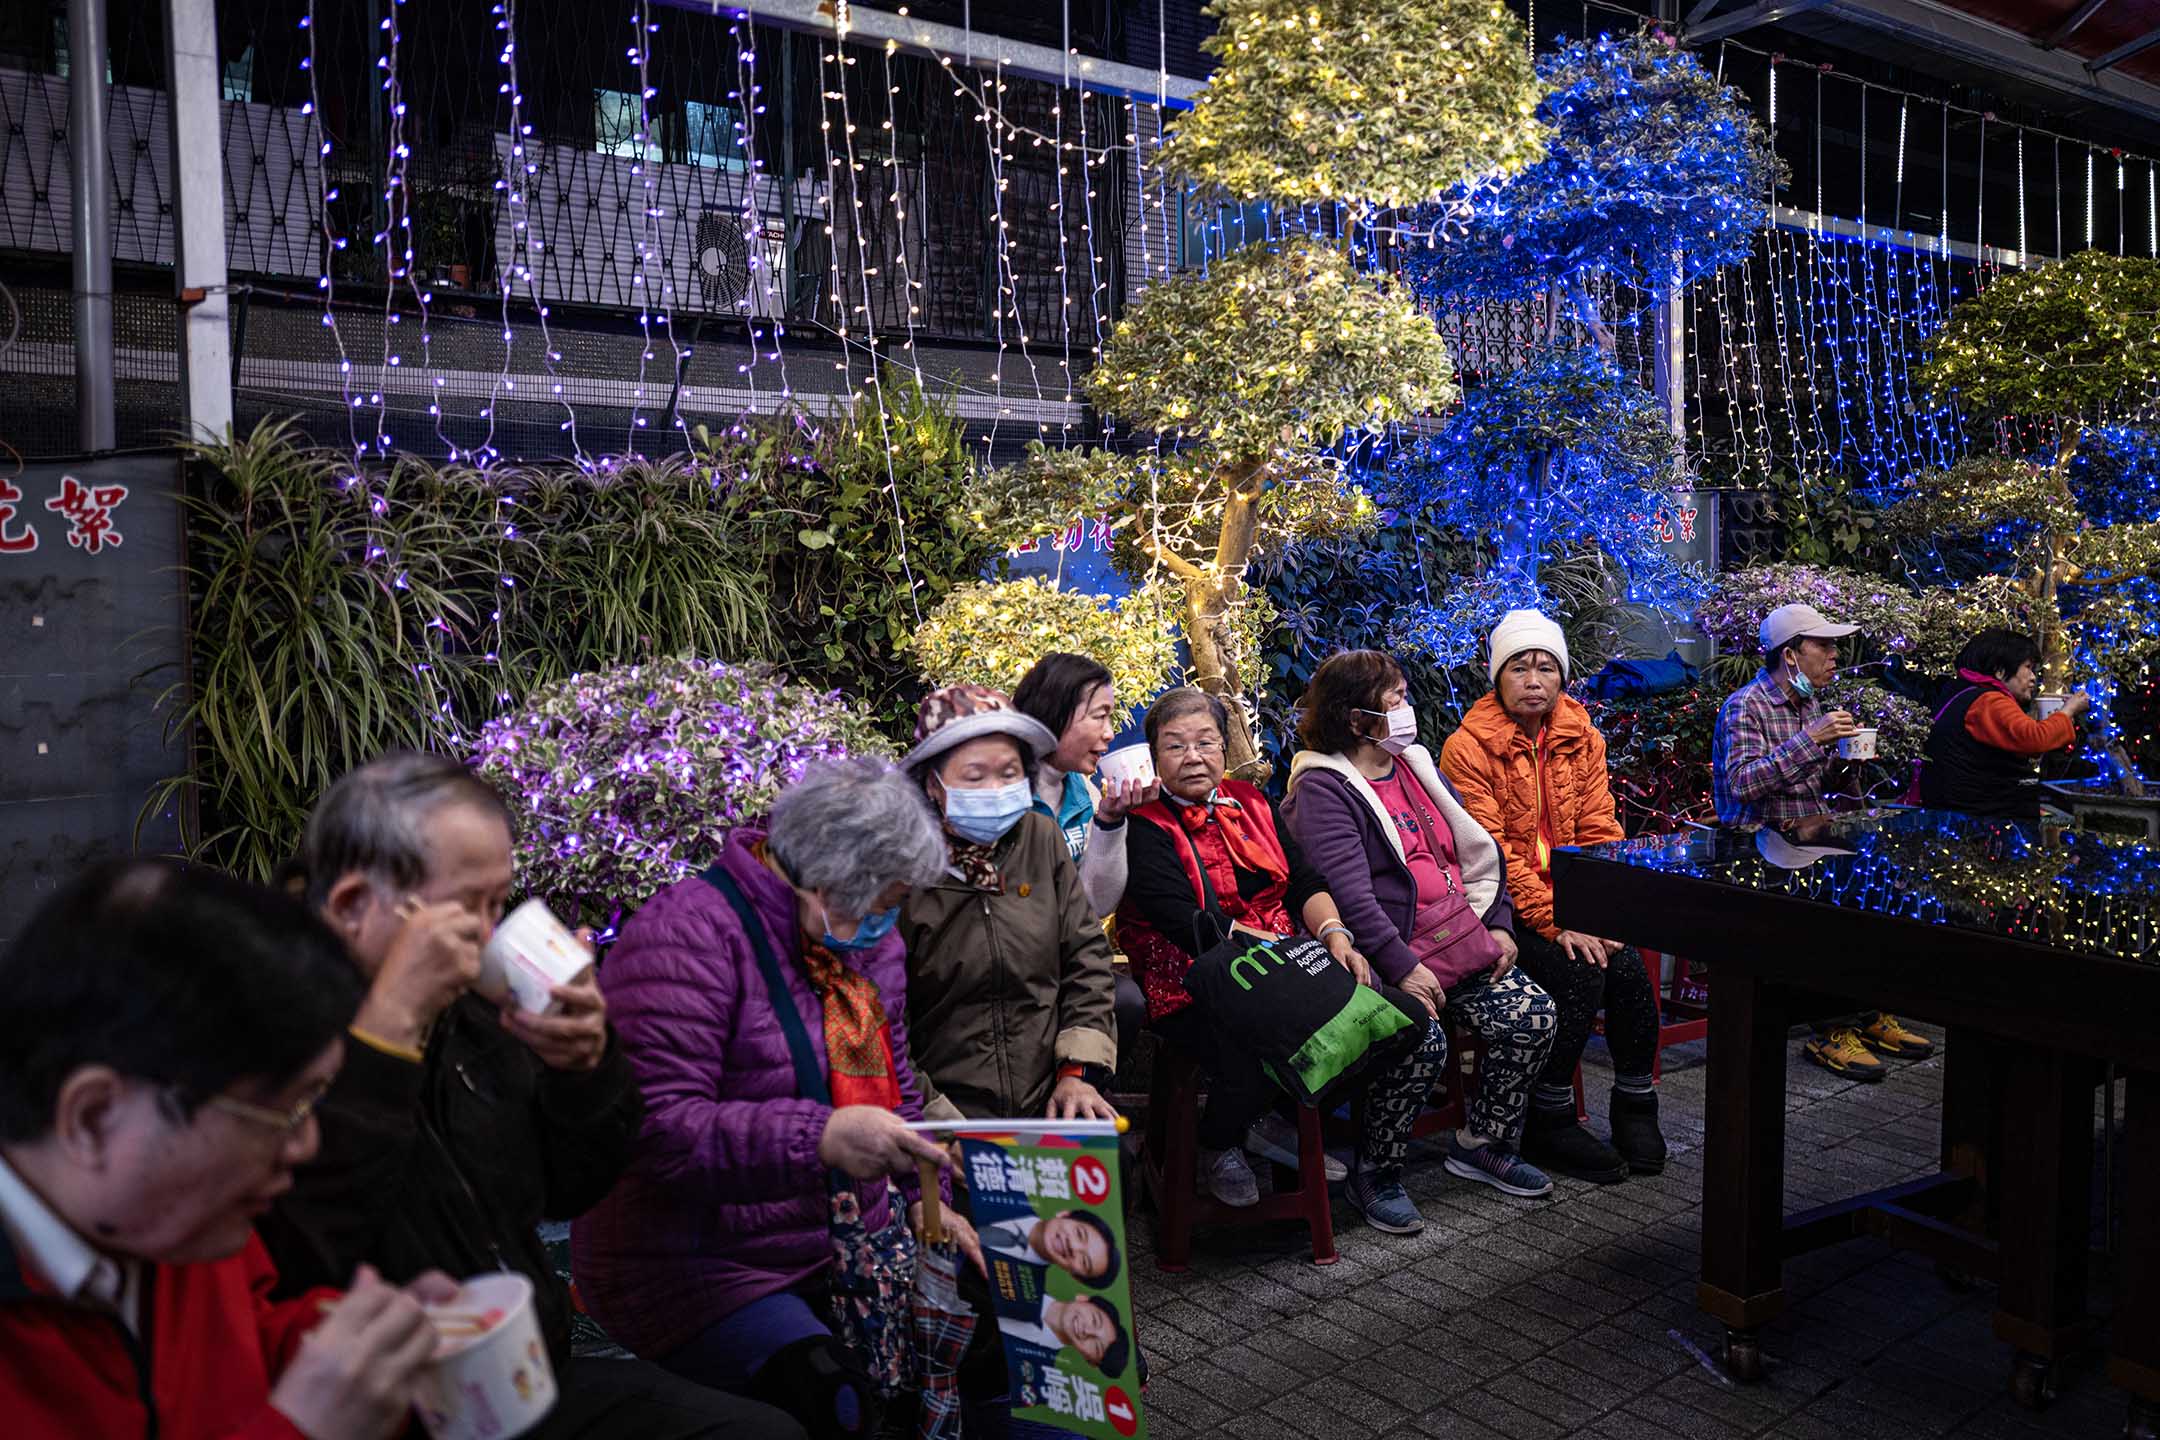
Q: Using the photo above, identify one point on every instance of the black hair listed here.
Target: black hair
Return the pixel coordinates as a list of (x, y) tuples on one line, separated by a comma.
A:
[(177, 975), (1114, 1354), (1346, 682), (373, 820), (1053, 691), (1177, 704), (1101, 1227), (1998, 652)]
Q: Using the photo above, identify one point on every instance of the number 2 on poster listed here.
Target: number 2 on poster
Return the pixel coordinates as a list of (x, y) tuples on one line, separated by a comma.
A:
[(1090, 1181)]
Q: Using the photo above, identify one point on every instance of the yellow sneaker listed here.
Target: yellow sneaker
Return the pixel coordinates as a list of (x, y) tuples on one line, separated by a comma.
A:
[(1887, 1037), (1841, 1052)]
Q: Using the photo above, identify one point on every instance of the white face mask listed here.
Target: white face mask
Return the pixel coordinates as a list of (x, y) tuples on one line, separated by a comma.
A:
[(1401, 728)]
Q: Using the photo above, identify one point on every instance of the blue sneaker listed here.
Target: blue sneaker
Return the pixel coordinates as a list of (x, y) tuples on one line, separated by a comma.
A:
[(1378, 1192), (1494, 1164)]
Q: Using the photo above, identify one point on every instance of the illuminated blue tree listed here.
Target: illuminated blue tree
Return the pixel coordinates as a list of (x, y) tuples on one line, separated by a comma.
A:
[(1562, 456), (1654, 175)]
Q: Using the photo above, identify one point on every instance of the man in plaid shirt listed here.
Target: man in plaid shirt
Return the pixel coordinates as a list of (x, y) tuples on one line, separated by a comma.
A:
[(1775, 741), (1775, 736)]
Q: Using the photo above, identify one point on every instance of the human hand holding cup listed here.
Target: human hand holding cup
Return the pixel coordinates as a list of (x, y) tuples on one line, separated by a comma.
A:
[(434, 958), (489, 1376), (354, 1375), (1831, 727)]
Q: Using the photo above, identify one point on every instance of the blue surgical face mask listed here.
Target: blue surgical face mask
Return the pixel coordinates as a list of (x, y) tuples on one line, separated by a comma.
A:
[(872, 929), (1802, 686), (984, 816)]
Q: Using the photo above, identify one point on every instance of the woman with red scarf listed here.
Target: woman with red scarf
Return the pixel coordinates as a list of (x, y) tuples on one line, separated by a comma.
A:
[(1208, 858), (1980, 756)]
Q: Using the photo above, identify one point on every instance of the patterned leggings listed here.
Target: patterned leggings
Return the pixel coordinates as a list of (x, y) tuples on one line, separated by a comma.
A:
[(1517, 1022), (1399, 1093)]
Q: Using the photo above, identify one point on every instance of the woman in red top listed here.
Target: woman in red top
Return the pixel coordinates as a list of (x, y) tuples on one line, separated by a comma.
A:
[(1208, 858), (1981, 754)]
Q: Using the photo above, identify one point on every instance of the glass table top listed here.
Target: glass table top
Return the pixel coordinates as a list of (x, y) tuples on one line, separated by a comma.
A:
[(2077, 890)]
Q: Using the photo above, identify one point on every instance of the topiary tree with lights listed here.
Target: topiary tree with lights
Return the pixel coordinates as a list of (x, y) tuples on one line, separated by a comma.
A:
[(993, 632), (1653, 175), (1260, 369), (1562, 456), (1282, 352), (2059, 345), (1369, 102)]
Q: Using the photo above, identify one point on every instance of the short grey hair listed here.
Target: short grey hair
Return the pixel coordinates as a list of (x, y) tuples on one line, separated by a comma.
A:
[(853, 828), (374, 820)]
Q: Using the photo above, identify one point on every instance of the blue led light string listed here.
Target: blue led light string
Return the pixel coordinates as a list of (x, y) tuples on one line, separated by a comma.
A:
[(749, 106), (332, 242), (640, 166), (394, 240)]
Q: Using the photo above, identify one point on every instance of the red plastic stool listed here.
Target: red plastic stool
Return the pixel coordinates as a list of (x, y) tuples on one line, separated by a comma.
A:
[(1170, 1164)]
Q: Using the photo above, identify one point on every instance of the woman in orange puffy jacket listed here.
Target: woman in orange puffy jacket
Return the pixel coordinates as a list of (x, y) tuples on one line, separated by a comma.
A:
[(1531, 769)]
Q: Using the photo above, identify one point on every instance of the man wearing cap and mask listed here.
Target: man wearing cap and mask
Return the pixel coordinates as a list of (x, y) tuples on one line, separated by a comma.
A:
[(1776, 740)]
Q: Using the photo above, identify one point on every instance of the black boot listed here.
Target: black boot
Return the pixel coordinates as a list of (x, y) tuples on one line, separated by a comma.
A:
[(1635, 1133), (1555, 1142)]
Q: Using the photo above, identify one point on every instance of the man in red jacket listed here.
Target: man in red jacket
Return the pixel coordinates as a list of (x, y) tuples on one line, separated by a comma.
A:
[(163, 1035)]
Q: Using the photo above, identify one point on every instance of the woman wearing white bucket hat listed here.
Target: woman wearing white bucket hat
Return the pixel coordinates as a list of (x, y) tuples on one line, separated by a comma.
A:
[(1009, 983)]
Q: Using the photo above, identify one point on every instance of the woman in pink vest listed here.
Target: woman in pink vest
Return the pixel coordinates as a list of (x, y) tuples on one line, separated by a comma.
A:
[(1208, 858)]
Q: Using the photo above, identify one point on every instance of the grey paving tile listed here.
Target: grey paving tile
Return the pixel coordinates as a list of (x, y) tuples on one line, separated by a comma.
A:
[(1560, 1406), (1448, 1423), (1507, 1417)]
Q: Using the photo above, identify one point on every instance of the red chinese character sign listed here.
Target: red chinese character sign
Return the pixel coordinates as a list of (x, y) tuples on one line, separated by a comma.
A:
[(16, 538), (90, 599), (89, 511)]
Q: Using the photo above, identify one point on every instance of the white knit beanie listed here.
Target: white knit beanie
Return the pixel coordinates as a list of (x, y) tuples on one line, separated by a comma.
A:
[(1521, 630)]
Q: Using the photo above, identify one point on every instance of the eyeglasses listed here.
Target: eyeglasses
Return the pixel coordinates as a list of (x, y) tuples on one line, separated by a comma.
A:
[(1198, 747), (287, 1123)]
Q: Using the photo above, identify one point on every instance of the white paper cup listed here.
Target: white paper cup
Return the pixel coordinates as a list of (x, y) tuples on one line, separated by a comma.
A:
[(2049, 704), (1860, 745), (494, 1385), (1130, 762), (528, 955)]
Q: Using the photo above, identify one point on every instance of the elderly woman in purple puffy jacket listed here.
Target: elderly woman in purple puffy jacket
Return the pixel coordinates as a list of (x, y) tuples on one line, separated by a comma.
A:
[(712, 1255)]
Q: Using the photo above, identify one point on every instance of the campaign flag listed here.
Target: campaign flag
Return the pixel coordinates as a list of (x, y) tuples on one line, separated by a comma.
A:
[(1052, 1224)]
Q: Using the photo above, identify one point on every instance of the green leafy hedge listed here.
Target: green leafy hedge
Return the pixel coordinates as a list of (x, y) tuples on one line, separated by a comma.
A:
[(338, 612)]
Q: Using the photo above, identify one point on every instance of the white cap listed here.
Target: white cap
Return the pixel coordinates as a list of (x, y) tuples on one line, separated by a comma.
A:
[(1788, 855), (1521, 630), (1788, 623)]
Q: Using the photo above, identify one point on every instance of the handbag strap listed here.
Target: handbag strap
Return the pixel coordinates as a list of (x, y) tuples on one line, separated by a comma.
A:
[(809, 1075), (1421, 800), (1210, 904)]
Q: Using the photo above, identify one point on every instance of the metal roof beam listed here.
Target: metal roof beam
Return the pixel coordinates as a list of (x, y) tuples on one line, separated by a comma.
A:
[(966, 47), (1764, 12), (1701, 11), (1982, 45), (2069, 27), (2124, 51)]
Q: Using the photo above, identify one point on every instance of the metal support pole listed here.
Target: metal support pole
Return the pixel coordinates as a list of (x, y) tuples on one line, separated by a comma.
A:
[(207, 364), (91, 212)]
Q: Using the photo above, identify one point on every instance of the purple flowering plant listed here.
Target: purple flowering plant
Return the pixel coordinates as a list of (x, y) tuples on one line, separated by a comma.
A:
[(625, 780)]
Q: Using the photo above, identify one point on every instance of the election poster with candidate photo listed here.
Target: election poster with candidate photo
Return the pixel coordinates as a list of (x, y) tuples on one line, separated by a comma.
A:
[(1052, 1224)]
